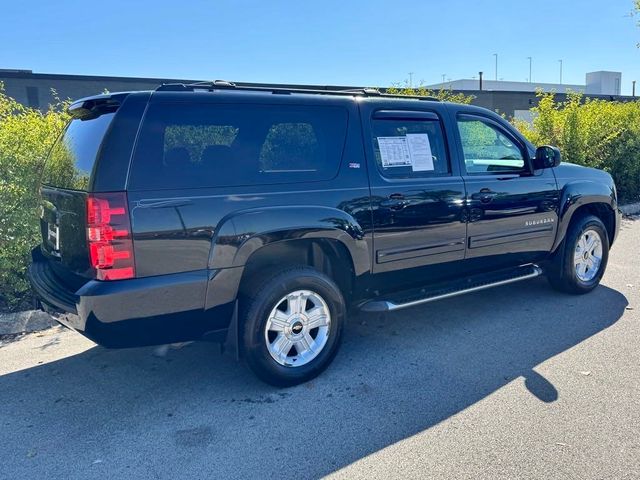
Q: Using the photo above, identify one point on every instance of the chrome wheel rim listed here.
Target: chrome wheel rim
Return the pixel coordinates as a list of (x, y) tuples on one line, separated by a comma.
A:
[(297, 329), (587, 256)]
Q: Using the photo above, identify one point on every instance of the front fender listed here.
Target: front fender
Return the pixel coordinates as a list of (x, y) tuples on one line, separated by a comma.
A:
[(242, 233), (578, 193)]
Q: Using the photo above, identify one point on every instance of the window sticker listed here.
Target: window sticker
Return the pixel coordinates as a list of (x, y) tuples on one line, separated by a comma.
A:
[(394, 152), (420, 152), (412, 150)]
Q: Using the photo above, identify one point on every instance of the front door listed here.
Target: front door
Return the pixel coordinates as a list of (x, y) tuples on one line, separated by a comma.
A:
[(417, 193), (512, 210)]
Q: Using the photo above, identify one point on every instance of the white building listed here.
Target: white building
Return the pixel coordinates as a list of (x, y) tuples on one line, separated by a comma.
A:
[(604, 83)]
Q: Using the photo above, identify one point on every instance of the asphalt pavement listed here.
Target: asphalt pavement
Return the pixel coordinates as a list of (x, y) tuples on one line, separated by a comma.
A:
[(515, 382)]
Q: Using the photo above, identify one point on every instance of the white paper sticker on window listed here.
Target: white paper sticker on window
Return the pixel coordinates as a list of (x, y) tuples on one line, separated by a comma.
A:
[(394, 152), (420, 152)]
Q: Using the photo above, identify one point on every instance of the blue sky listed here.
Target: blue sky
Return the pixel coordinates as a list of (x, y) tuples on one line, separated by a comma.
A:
[(372, 43)]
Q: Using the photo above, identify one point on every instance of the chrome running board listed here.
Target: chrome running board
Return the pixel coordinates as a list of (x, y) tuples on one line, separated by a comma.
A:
[(473, 284)]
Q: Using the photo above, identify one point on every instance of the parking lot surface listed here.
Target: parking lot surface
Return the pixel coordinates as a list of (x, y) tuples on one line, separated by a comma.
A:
[(518, 381)]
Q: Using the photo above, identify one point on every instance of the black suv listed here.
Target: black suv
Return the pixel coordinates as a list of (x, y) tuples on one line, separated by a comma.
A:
[(260, 216)]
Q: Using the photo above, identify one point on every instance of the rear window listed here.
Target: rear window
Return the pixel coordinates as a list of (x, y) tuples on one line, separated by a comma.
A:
[(207, 145), (73, 155)]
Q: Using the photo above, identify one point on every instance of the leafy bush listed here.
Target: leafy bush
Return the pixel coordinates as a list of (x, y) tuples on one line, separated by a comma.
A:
[(421, 91), (26, 135), (593, 133)]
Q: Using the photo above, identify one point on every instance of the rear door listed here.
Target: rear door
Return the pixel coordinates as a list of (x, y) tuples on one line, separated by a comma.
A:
[(512, 210), (417, 193)]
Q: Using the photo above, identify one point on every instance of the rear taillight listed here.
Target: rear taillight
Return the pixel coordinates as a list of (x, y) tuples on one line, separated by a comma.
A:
[(109, 236)]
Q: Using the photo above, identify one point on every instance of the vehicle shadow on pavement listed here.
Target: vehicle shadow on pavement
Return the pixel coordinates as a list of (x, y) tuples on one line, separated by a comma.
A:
[(197, 413)]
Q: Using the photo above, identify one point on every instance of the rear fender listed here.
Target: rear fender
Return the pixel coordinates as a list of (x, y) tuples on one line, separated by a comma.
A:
[(241, 234)]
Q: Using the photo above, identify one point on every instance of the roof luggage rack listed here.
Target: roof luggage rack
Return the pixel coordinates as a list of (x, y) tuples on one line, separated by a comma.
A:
[(283, 89)]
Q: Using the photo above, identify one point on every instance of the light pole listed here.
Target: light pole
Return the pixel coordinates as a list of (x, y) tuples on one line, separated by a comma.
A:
[(530, 61), (410, 79), (560, 71), (444, 77), (496, 55)]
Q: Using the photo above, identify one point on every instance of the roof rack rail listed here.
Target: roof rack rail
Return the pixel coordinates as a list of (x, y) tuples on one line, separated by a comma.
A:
[(283, 89)]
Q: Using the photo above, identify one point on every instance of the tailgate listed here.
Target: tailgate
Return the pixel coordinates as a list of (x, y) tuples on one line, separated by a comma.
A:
[(63, 228), (66, 180)]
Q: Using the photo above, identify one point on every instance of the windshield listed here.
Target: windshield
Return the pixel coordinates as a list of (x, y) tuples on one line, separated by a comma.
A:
[(72, 157)]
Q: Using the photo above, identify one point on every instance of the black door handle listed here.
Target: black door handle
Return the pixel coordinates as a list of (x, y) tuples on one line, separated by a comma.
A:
[(396, 201), (486, 195)]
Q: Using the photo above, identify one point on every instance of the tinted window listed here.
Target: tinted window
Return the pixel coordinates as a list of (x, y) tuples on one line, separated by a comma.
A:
[(487, 148), (409, 148), (195, 138), (206, 145), (73, 155), (290, 147)]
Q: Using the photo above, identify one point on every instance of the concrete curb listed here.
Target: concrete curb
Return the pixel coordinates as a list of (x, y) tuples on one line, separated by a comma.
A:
[(630, 208), (25, 322)]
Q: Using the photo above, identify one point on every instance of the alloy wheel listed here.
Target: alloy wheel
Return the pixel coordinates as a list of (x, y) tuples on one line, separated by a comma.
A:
[(297, 328), (587, 256)]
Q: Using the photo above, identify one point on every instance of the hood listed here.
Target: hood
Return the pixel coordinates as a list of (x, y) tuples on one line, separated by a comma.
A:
[(571, 171)]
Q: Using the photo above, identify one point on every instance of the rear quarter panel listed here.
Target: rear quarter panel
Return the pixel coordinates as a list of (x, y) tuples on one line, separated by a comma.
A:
[(196, 229)]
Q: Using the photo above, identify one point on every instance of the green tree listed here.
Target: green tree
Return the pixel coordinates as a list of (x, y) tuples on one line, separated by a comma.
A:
[(422, 91), (591, 132), (26, 135)]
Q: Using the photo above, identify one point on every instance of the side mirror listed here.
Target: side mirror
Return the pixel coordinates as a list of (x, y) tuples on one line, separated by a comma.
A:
[(547, 157)]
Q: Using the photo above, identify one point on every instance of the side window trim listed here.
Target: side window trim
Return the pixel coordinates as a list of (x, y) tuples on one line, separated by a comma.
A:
[(524, 151), (405, 115)]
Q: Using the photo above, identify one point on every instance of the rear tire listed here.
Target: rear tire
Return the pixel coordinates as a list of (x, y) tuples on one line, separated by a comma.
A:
[(580, 263), (292, 325)]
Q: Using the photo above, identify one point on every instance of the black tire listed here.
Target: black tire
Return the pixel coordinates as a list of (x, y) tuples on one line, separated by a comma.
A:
[(562, 274), (257, 305)]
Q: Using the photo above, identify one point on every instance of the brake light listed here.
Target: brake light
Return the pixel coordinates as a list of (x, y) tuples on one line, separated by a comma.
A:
[(109, 236)]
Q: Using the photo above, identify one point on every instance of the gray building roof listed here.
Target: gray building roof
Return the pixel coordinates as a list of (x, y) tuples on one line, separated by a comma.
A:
[(35, 89)]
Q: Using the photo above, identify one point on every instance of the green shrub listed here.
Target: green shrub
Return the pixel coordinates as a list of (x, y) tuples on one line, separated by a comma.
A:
[(26, 135), (594, 133), (442, 95)]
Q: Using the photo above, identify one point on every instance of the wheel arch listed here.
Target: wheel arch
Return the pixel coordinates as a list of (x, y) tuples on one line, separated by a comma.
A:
[(327, 239), (582, 198), (327, 255)]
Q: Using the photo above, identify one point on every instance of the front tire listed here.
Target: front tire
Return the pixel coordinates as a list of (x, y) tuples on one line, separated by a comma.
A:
[(580, 265), (292, 326)]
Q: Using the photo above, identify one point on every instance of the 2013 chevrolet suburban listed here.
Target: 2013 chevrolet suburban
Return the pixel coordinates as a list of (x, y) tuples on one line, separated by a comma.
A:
[(260, 216)]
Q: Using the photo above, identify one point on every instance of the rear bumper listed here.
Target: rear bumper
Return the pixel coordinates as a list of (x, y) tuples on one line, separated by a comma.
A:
[(140, 311), (48, 287)]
